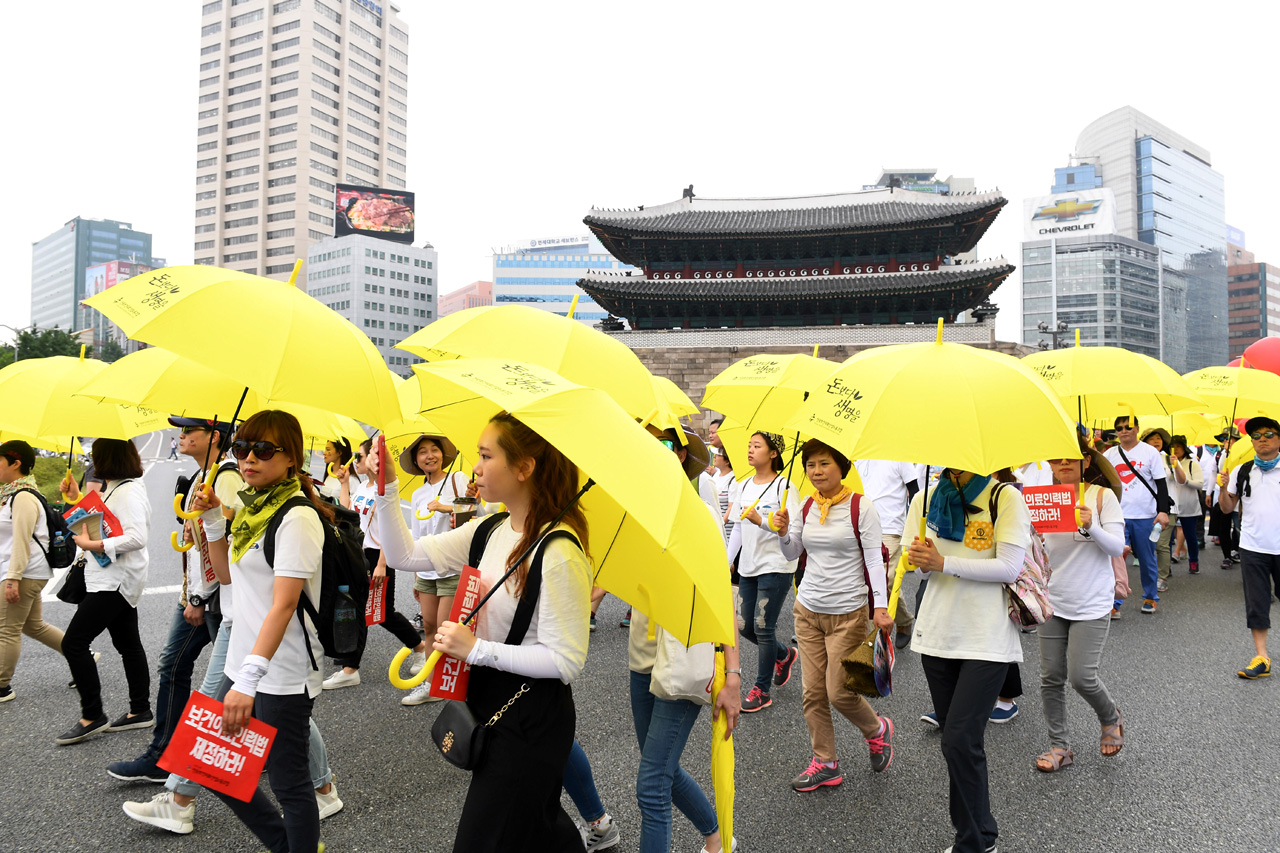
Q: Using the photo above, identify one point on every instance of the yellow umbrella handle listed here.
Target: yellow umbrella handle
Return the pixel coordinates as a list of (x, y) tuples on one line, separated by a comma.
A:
[(785, 492), (423, 517), (414, 680), (207, 488), (180, 547), (1078, 520)]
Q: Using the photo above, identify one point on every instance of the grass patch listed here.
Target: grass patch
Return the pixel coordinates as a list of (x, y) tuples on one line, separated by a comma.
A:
[(50, 470)]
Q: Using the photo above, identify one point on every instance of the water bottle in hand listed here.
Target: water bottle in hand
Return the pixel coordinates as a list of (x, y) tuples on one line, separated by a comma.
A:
[(1155, 531), (346, 631)]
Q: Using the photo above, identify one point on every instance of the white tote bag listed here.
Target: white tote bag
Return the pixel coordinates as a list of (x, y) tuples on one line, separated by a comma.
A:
[(683, 673)]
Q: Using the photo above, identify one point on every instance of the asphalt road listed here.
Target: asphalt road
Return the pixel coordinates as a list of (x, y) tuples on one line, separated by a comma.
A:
[(1198, 773)]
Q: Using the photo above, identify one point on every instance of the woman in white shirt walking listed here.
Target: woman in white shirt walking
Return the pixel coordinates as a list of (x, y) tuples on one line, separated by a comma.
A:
[(114, 591), (531, 638), (1186, 485), (844, 584), (1081, 590), (24, 541), (963, 634)]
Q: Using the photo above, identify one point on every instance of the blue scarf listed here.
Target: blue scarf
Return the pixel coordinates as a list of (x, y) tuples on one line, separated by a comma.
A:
[(946, 507), (1266, 464)]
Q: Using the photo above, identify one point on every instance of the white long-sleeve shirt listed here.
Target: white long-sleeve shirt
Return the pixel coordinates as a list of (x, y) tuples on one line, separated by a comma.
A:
[(1186, 496), (127, 571), (834, 582)]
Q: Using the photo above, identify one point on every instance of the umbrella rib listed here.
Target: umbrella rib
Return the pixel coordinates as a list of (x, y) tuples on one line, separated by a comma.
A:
[(609, 550), (451, 403)]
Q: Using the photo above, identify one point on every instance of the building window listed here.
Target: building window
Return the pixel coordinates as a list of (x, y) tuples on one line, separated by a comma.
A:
[(320, 149), (243, 155), (324, 83), (240, 256), (242, 171), (279, 268), (284, 111), (399, 55), (357, 66), (277, 252), (327, 101), (364, 87), (323, 116), (322, 219), (210, 8), (282, 215), (325, 49), (285, 95), (284, 28), (324, 31), (319, 184), (241, 188), (283, 232), (332, 69), (365, 34), (210, 48), (210, 81), (286, 6), (206, 211), (240, 205), (286, 44), (244, 105), (205, 131), (240, 223), (248, 54), (210, 29), (256, 68), (399, 34), (282, 164), (201, 164), (282, 146), (281, 199), (203, 244), (236, 42), (206, 195), (245, 137), (363, 167), (284, 78), (286, 60), (367, 104), (360, 149), (321, 167), (359, 116), (282, 181), (207, 146)]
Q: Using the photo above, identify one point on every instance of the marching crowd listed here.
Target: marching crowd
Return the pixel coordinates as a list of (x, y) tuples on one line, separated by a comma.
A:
[(258, 535)]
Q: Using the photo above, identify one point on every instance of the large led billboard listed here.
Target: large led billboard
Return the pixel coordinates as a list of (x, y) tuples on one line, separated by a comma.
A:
[(383, 213)]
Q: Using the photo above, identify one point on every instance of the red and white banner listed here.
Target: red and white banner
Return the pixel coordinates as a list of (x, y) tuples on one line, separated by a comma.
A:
[(449, 680), (1052, 508), (199, 751), (375, 606), (91, 503)]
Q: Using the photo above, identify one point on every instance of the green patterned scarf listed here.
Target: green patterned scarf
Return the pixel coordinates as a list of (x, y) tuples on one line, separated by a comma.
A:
[(8, 490), (252, 519)]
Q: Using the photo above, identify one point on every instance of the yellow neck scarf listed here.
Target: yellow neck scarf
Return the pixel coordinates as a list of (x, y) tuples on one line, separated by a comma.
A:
[(825, 505)]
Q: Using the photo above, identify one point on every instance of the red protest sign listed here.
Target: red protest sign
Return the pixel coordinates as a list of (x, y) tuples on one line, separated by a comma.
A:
[(449, 680), (199, 751), (91, 503), (1052, 508), (375, 606)]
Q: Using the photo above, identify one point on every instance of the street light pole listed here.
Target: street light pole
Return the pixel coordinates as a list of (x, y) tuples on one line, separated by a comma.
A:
[(1052, 331), (15, 340)]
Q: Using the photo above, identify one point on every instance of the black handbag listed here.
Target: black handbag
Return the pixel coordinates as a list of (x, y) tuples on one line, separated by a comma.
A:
[(460, 737), (74, 589)]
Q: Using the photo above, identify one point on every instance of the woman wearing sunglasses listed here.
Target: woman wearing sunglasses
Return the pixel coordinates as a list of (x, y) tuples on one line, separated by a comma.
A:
[(337, 454), (1082, 590), (269, 672), (963, 633), (514, 798)]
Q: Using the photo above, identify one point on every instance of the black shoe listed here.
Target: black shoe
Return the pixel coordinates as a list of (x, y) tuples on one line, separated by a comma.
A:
[(6, 694), (141, 769), (782, 668), (902, 639), (1235, 558), (145, 720), (79, 732)]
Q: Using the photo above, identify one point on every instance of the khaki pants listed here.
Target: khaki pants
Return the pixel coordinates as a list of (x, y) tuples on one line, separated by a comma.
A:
[(1162, 548), (25, 617), (824, 641), (902, 618)]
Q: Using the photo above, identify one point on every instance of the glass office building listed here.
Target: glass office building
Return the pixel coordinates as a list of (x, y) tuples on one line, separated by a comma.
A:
[(544, 273)]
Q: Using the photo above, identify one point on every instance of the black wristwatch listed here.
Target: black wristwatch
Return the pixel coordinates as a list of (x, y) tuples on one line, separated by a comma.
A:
[(196, 601)]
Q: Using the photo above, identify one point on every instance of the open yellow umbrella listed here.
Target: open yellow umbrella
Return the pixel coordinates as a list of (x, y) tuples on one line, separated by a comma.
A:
[(54, 443), (570, 348), (651, 540), (1240, 392), (940, 403), (1198, 428), (404, 431), (267, 335)]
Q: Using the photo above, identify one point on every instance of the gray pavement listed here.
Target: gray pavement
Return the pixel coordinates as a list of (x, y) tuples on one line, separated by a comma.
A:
[(1198, 773)]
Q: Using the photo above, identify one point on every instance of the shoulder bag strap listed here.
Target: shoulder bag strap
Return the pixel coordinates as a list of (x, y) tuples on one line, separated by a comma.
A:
[(1141, 479), (533, 588), (481, 538), (269, 537)]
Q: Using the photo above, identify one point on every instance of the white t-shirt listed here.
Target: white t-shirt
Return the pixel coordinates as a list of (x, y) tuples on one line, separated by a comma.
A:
[(298, 546), (1259, 509), (1083, 583), (1148, 463), (1186, 496), (967, 619), (445, 492), (362, 503), (330, 487), (886, 484), (834, 580), (1208, 458), (1034, 474), (127, 571), (724, 484), (761, 550)]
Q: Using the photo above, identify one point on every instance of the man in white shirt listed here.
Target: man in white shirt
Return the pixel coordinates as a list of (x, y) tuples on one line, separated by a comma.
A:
[(1254, 488), (1145, 502), (891, 486)]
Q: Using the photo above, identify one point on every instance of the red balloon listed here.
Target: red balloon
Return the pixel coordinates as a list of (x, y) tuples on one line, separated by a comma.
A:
[(1264, 354), (1235, 362)]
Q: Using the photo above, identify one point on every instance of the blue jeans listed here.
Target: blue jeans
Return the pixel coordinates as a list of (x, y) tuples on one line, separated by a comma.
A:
[(662, 728), (1137, 534), (1191, 535), (762, 599), (177, 662), (580, 785)]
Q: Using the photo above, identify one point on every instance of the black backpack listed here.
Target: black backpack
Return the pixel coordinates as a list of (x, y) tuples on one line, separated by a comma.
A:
[(62, 547), (342, 564)]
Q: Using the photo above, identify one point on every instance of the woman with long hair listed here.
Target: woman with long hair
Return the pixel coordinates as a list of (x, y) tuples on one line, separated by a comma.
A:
[(272, 671), (114, 590), (1187, 483), (531, 638)]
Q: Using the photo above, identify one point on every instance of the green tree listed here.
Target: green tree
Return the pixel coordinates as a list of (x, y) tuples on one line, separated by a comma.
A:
[(41, 343), (6, 356), (110, 351)]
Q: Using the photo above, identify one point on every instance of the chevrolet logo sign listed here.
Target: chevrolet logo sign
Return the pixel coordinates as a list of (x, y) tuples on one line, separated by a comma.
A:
[(1067, 210)]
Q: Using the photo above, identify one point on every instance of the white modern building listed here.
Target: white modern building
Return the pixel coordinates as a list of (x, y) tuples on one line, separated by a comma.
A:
[(295, 96), (388, 290), (544, 273)]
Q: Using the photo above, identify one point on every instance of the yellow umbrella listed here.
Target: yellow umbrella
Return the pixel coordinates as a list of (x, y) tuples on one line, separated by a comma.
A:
[(722, 762), (1109, 382), (1198, 428), (570, 348), (651, 539), (1241, 392), (55, 443), (404, 431), (940, 403), (267, 335)]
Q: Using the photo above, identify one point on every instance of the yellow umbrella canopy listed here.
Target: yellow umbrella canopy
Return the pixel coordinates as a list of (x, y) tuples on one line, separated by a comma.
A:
[(1239, 392), (1109, 382), (736, 437), (55, 443), (267, 335), (404, 431), (37, 399), (573, 350), (651, 539)]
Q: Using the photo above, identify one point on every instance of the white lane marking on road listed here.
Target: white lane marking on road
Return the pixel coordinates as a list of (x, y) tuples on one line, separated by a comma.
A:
[(151, 590)]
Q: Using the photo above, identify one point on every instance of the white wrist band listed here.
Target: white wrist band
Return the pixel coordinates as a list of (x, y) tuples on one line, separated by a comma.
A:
[(251, 672)]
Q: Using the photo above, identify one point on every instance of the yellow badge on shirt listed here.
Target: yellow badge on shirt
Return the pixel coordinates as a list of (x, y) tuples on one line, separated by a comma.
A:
[(980, 535)]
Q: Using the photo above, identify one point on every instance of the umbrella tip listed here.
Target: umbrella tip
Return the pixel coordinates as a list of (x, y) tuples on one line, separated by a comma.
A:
[(293, 276), (1077, 337), (939, 330), (83, 347)]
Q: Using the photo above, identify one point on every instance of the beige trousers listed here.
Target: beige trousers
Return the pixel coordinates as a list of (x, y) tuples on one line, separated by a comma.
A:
[(825, 640), (25, 617)]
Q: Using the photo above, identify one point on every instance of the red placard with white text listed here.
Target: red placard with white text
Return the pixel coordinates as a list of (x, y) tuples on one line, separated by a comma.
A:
[(199, 751), (91, 503), (375, 606), (1052, 508), (449, 680)]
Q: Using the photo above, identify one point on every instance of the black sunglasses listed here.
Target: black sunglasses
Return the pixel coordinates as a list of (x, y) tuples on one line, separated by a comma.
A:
[(1125, 428), (264, 450), (189, 429), (1257, 435)]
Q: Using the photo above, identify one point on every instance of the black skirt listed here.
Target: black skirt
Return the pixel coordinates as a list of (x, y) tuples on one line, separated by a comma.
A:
[(1219, 522), (513, 803)]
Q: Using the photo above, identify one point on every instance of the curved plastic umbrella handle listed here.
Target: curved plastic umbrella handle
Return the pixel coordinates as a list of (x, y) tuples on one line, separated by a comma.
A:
[(207, 488), (393, 674), (423, 517), (180, 547)]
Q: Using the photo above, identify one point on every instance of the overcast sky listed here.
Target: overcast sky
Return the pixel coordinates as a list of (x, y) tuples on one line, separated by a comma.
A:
[(523, 116)]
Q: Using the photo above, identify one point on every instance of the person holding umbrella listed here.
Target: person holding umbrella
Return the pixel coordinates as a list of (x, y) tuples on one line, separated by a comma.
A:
[(963, 633), (1188, 481), (1145, 503), (764, 572), (515, 788), (1224, 525), (1159, 438), (337, 453)]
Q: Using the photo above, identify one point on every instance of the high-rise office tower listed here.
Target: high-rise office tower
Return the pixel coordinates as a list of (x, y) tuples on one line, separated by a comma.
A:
[(296, 96)]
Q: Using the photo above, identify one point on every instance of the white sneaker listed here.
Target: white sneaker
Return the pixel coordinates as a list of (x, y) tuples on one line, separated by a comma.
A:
[(417, 661), (601, 836), (329, 804), (340, 679), (420, 695), (734, 849), (163, 812)]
